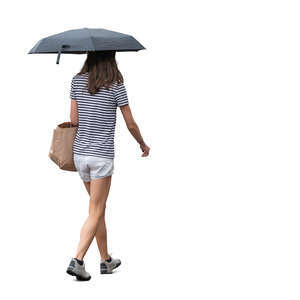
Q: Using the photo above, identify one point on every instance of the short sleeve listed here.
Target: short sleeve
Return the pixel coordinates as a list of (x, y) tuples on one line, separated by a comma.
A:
[(121, 95), (72, 91)]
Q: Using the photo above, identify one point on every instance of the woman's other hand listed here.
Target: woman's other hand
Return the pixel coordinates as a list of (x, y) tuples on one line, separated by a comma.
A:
[(134, 129), (145, 149)]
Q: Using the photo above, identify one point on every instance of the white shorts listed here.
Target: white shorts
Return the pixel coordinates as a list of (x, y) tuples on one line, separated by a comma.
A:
[(93, 167)]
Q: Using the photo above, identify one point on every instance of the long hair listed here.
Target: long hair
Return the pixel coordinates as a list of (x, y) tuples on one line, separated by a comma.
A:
[(102, 70)]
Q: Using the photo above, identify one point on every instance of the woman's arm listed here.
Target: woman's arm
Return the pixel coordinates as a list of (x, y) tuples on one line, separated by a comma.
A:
[(134, 129), (74, 112)]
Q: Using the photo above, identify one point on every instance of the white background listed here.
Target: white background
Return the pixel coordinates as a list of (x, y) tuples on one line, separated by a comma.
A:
[(213, 213)]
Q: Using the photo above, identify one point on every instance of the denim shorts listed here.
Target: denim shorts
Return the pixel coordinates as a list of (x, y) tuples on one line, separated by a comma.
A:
[(93, 167)]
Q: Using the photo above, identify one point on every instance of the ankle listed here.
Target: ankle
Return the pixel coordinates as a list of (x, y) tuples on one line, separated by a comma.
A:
[(80, 261), (79, 256), (105, 257)]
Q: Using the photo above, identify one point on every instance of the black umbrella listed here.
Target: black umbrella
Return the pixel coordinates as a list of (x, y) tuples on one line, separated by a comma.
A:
[(78, 41)]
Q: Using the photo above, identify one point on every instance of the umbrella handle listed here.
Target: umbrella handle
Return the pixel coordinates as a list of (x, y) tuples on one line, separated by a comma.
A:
[(59, 52)]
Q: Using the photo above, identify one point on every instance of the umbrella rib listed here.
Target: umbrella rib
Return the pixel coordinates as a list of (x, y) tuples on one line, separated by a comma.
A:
[(91, 38)]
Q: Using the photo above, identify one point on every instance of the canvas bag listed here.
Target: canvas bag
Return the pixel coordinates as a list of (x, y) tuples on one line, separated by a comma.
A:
[(61, 150)]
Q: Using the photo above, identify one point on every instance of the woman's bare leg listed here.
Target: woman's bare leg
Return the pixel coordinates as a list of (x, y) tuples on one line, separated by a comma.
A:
[(99, 189), (87, 186), (101, 234), (101, 238)]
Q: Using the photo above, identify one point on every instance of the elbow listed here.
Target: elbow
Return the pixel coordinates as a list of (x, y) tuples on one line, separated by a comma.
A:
[(131, 126), (74, 121)]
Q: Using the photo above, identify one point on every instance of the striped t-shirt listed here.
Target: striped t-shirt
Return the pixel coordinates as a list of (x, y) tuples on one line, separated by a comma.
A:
[(96, 117)]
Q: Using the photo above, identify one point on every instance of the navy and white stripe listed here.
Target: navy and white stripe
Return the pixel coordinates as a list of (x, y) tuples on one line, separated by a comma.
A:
[(96, 117)]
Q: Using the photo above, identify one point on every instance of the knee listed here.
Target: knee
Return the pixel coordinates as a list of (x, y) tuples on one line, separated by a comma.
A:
[(97, 211), (100, 214)]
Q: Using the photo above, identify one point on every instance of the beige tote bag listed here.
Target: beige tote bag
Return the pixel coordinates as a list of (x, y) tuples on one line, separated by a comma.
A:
[(61, 151)]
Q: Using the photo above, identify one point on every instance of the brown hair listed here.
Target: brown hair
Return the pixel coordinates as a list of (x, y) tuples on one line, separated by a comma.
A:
[(102, 70)]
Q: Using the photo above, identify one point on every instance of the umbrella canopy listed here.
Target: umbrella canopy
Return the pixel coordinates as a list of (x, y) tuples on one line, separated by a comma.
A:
[(78, 41)]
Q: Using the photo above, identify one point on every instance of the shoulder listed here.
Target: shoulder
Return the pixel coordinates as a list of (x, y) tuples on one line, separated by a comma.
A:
[(74, 79), (117, 86), (79, 77)]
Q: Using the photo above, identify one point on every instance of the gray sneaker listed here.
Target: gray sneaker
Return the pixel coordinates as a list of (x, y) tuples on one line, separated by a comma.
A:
[(108, 267), (75, 269)]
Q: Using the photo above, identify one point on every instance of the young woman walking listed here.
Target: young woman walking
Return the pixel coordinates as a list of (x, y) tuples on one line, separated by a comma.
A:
[(96, 92)]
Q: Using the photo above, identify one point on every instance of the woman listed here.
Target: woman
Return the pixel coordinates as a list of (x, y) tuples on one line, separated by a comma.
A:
[(96, 92)]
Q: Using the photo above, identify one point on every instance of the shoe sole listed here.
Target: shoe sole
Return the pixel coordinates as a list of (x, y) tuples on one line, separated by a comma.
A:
[(78, 277), (109, 272)]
